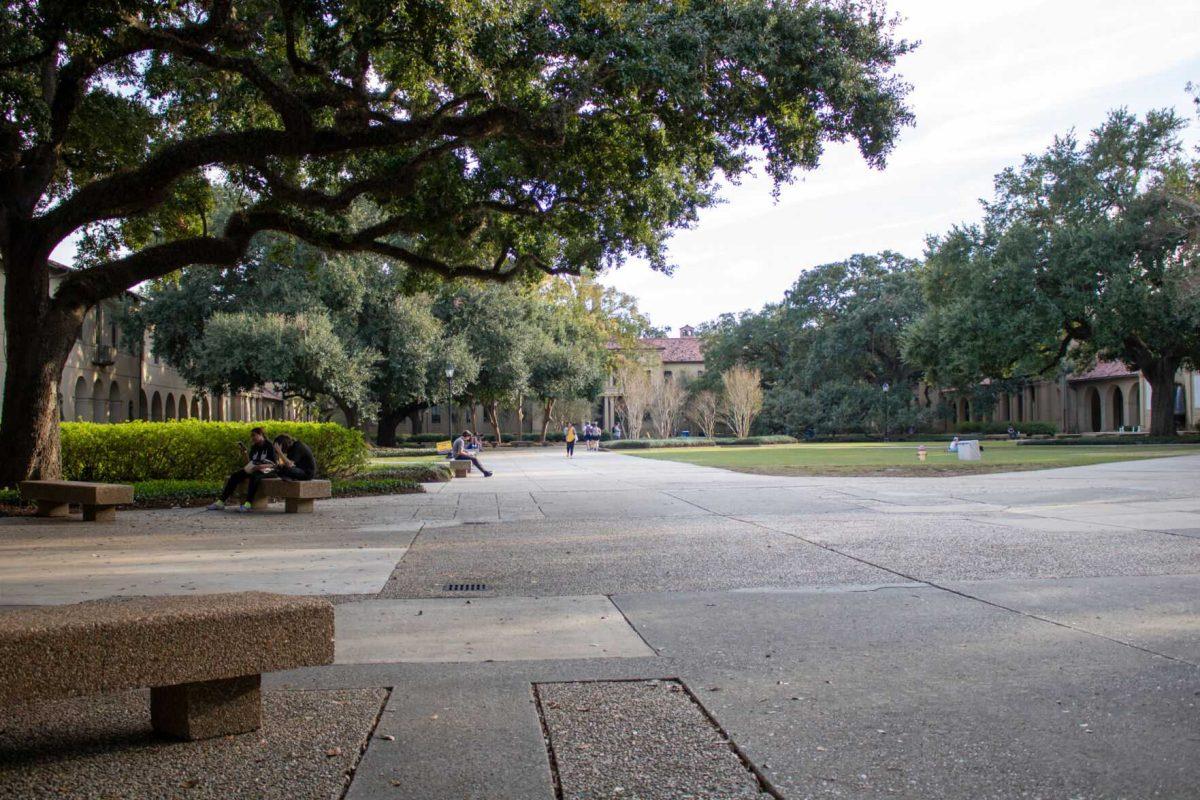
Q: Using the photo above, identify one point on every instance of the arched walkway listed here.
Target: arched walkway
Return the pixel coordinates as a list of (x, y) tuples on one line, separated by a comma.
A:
[(143, 405), (116, 407), (1117, 404), (156, 408), (82, 409), (196, 407), (1095, 410), (99, 402), (205, 409), (170, 412)]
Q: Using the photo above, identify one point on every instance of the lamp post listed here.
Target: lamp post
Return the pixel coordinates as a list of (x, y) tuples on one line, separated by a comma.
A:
[(886, 388), (449, 400)]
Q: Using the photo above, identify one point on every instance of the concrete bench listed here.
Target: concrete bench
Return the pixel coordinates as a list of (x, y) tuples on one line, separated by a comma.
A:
[(461, 467), (297, 496), (202, 656), (99, 500)]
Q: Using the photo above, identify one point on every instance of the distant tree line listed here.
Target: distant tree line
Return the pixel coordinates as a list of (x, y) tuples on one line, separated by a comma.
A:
[(1086, 251)]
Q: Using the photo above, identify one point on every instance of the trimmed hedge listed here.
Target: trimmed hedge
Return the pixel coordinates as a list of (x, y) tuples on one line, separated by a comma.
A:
[(1125, 439), (133, 452), (403, 452), (1029, 428), (436, 472), (697, 441)]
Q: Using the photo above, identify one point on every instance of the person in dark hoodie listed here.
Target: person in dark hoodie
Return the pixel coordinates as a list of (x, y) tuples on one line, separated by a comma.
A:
[(294, 459), (260, 464)]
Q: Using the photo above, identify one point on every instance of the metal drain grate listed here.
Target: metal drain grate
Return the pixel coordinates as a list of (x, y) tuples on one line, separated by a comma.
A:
[(465, 587)]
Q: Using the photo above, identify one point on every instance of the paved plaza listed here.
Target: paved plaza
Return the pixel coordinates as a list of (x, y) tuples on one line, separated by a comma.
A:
[(616, 627)]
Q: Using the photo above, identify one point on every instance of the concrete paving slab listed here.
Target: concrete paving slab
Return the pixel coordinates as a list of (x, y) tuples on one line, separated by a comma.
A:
[(643, 739), (922, 693), (458, 740), (768, 500), (484, 629), (1160, 613), (609, 504), (586, 556), (947, 548), (89, 576), (103, 747)]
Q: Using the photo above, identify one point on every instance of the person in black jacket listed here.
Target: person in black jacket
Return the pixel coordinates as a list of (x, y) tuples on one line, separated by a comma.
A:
[(260, 464), (294, 459)]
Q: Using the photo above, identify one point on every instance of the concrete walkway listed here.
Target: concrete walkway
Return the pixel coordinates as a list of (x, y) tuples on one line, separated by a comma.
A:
[(1027, 634)]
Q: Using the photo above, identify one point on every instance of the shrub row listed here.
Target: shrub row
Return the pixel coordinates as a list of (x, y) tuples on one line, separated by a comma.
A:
[(192, 450), (435, 472), (1029, 428), (696, 441), (1126, 439), (403, 452)]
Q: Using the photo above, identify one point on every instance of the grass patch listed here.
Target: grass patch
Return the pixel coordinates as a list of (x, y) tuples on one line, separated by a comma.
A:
[(900, 459)]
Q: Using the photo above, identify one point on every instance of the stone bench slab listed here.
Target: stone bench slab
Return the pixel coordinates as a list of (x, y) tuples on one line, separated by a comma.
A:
[(297, 496), (99, 500), (201, 655)]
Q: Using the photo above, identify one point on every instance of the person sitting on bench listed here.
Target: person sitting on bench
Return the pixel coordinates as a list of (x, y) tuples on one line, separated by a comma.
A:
[(294, 459), (459, 450), (260, 464)]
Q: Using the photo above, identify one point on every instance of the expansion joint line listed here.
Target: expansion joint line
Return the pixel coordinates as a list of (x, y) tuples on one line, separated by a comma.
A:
[(938, 586)]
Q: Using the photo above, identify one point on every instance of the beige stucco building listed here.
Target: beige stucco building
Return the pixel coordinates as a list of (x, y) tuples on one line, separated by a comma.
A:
[(1108, 398), (668, 358), (109, 379)]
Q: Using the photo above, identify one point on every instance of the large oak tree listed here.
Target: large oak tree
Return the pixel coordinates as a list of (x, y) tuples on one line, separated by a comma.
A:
[(494, 138), (1088, 250)]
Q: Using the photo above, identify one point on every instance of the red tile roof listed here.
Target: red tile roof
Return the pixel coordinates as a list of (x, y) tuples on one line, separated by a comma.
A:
[(1104, 369), (674, 349)]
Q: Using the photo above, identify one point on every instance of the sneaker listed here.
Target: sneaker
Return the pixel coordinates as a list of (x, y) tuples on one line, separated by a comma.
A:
[(487, 474), (245, 508), (217, 506)]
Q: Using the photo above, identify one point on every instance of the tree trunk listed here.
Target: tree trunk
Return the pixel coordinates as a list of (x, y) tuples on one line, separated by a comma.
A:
[(547, 410), (1161, 376), (389, 419), (494, 416), (417, 419), (38, 339)]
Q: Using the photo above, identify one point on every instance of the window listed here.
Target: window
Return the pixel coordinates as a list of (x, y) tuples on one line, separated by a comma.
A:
[(666, 374), (435, 415)]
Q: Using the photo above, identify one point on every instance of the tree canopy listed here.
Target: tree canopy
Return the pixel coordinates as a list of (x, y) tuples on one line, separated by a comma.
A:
[(490, 139), (825, 351), (1087, 250)]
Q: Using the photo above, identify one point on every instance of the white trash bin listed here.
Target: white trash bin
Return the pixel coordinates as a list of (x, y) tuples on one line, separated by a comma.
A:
[(969, 450)]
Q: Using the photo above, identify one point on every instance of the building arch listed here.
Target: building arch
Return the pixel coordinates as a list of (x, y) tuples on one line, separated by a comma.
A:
[(205, 409), (99, 402), (1116, 404), (169, 413), (195, 407), (81, 400), (156, 408), (1133, 402), (143, 405), (116, 407), (1095, 410), (183, 406)]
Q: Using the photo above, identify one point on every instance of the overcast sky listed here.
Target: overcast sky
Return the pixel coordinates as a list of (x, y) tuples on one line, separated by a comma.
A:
[(991, 81)]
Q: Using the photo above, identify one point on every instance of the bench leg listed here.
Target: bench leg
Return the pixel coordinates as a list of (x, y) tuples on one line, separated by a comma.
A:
[(260, 502), (99, 513), (49, 508), (202, 710), (297, 505)]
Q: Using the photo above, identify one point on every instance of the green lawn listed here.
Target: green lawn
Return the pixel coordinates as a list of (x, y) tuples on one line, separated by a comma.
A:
[(900, 458)]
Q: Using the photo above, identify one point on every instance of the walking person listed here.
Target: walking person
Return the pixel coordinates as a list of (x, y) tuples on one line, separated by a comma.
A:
[(260, 464), (458, 449), (571, 436)]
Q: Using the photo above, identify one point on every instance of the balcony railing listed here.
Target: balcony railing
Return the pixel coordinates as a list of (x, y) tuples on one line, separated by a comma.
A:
[(105, 355)]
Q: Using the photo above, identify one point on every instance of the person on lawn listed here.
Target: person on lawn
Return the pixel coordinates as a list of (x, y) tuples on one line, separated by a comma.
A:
[(459, 450), (294, 459), (260, 463)]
